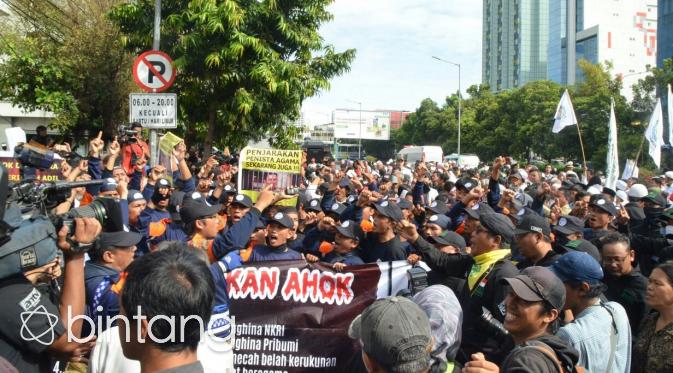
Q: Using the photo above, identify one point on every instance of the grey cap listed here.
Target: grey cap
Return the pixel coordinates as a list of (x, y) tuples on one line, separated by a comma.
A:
[(390, 210), (442, 221), (243, 200), (605, 205), (449, 238), (313, 205), (395, 332), (437, 207), (349, 229), (282, 219), (536, 284), (533, 223), (569, 224), (479, 208), (498, 224), (107, 240)]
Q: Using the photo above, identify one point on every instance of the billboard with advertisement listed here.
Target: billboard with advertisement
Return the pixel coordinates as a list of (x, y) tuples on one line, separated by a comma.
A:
[(375, 124)]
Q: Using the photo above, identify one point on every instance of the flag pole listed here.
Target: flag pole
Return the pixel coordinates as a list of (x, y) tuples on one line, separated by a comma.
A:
[(584, 158)]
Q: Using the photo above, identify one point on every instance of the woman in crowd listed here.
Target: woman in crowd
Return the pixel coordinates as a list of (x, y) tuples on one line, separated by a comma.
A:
[(653, 351)]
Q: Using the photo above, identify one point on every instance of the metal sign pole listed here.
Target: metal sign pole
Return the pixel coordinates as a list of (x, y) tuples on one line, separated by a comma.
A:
[(155, 46)]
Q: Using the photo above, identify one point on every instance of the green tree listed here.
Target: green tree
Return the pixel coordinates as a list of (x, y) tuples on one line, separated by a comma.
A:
[(244, 66), (65, 57)]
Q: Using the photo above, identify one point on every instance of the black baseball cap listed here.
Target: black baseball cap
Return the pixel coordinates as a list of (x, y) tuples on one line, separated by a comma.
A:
[(655, 198), (442, 221), (394, 331), (466, 183), (313, 205), (229, 189), (337, 208), (582, 245), (449, 238), (282, 219), (569, 224), (108, 240), (404, 204), (479, 208), (437, 207), (349, 229), (533, 223), (605, 205), (390, 210), (498, 224), (194, 209), (134, 195), (536, 284), (243, 200)]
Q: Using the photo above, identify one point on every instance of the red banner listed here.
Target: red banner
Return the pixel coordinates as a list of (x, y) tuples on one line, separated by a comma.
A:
[(14, 172)]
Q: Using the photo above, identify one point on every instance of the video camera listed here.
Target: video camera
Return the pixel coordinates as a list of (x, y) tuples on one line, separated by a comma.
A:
[(126, 134), (223, 158), (34, 156)]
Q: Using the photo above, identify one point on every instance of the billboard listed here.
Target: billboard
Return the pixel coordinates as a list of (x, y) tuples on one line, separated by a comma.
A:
[(375, 124)]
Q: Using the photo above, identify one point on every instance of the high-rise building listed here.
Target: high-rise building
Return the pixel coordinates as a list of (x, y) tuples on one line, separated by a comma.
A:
[(665, 31), (515, 38), (621, 32)]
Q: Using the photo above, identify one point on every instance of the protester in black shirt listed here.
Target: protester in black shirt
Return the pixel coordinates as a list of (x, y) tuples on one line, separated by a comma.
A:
[(533, 238), (384, 244), (625, 284)]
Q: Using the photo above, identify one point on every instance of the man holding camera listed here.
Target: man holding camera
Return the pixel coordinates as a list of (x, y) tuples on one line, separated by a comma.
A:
[(134, 148), (33, 330)]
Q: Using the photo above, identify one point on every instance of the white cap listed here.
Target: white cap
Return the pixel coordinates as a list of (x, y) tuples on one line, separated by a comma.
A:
[(622, 195), (669, 174), (621, 185), (637, 191), (570, 164), (595, 189)]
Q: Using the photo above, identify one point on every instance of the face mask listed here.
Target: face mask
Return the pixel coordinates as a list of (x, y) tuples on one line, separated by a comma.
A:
[(561, 240), (653, 213)]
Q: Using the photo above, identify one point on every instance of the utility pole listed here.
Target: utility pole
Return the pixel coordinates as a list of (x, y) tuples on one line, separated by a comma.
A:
[(460, 98), (154, 148)]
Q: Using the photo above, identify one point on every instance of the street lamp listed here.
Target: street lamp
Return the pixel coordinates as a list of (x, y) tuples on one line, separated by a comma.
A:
[(359, 129), (459, 98)]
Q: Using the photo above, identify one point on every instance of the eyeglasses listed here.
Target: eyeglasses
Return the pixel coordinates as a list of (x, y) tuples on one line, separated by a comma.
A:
[(614, 259)]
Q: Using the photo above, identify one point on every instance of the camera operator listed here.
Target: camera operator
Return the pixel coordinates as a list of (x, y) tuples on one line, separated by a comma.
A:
[(33, 330), (134, 148)]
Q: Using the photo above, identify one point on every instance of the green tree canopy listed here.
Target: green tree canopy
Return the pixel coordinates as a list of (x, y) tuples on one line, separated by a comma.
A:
[(244, 66)]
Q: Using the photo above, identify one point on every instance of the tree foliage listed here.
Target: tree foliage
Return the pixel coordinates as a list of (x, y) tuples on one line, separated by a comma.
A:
[(65, 57), (244, 66), (518, 121)]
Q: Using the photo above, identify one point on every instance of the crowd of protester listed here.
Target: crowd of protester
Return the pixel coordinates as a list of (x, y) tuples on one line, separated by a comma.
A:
[(532, 270)]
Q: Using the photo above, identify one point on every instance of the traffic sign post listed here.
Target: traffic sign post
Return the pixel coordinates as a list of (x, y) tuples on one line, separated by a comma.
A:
[(154, 110), (153, 71)]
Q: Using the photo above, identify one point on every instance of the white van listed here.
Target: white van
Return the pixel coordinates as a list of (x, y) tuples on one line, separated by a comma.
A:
[(466, 160), (413, 154)]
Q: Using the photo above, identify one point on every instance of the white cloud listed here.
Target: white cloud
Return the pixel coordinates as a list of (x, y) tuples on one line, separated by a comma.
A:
[(395, 40)]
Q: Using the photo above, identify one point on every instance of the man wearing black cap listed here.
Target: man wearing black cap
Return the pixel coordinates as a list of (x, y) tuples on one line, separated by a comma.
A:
[(569, 233), (345, 248), (601, 213), (533, 305), (241, 222), (488, 262), (468, 193), (533, 238), (200, 222), (653, 206), (108, 258), (278, 232), (436, 225), (384, 244), (325, 230)]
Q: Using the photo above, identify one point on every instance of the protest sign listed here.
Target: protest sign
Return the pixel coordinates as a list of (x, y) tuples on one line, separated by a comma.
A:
[(14, 170), (280, 169), (292, 316), (166, 145)]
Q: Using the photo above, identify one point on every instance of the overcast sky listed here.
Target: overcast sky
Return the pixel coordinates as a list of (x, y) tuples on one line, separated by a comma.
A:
[(395, 42)]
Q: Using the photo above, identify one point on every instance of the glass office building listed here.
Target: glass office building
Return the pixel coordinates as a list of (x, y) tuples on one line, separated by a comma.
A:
[(515, 39)]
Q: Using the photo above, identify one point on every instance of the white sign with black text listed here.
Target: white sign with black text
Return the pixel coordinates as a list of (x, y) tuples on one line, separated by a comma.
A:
[(154, 110)]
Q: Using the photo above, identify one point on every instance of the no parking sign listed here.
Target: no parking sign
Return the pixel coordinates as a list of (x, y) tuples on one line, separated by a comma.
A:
[(153, 71)]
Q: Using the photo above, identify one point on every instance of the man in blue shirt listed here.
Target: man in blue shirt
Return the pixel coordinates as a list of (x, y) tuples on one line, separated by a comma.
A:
[(278, 232), (600, 330)]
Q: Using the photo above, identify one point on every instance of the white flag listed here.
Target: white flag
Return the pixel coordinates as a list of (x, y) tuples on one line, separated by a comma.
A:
[(612, 172), (630, 170), (655, 134), (565, 115), (670, 115)]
